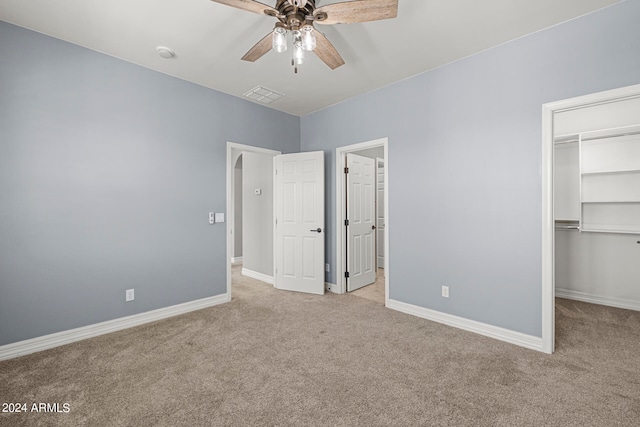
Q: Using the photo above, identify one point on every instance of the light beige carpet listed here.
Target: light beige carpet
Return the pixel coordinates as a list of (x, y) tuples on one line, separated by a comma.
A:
[(273, 358), (374, 291)]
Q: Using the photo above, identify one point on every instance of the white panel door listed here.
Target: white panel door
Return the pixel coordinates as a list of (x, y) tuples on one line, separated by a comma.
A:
[(300, 222), (361, 215), (380, 221)]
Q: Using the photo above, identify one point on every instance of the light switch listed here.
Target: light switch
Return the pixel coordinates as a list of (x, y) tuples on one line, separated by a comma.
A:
[(258, 191), (219, 217)]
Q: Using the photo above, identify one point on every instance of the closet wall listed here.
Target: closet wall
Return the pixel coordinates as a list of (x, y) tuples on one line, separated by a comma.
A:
[(597, 203)]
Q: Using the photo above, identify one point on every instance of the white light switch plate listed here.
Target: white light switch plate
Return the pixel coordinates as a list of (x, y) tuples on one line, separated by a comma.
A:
[(219, 217), (445, 291)]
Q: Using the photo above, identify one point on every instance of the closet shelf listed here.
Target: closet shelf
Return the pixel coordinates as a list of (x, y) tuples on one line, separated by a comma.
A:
[(593, 202), (601, 172), (597, 134), (611, 133), (611, 172), (566, 139)]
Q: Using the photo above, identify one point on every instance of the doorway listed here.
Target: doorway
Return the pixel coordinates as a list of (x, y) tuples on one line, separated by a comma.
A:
[(550, 212), (252, 219), (374, 149), (295, 260)]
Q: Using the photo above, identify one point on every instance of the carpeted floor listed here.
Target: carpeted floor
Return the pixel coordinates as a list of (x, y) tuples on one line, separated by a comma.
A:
[(274, 358), (374, 291)]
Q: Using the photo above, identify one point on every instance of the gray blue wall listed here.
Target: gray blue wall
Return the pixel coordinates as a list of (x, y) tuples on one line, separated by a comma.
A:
[(465, 160), (108, 170), (107, 174)]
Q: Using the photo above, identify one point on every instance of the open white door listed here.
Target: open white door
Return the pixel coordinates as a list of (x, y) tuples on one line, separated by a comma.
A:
[(300, 222), (361, 221)]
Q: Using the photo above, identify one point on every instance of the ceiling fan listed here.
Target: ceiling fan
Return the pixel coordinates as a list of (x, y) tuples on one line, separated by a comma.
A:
[(296, 20)]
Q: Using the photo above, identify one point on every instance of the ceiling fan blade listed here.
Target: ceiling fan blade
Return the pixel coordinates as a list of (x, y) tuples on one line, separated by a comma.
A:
[(356, 11), (259, 49), (251, 6), (326, 52)]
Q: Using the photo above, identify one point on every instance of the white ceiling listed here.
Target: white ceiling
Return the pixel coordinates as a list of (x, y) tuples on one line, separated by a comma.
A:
[(209, 39)]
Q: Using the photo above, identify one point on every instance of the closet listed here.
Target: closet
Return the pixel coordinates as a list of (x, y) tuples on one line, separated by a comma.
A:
[(597, 203)]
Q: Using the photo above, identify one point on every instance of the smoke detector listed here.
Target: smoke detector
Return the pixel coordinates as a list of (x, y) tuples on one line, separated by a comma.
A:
[(165, 52)]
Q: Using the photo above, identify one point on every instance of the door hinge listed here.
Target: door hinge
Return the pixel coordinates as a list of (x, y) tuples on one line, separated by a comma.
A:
[(346, 274), (346, 222), (346, 170)]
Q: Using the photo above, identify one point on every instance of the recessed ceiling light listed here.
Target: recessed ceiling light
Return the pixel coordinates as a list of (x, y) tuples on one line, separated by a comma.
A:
[(165, 52), (263, 95)]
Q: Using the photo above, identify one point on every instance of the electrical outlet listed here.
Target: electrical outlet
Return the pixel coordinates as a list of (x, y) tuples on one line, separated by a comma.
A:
[(326, 267), (129, 295), (445, 291)]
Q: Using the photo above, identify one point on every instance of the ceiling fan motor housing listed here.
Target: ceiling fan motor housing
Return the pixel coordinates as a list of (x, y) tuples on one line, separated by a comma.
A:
[(294, 16), (305, 7)]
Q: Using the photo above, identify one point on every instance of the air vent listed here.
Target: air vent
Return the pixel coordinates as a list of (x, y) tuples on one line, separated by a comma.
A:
[(263, 95)]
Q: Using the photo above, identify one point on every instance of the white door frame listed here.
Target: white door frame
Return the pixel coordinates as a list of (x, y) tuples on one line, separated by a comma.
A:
[(379, 162), (340, 211), (235, 148), (548, 226)]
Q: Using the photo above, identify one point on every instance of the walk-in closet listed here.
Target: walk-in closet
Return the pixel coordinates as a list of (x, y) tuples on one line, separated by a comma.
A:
[(597, 203)]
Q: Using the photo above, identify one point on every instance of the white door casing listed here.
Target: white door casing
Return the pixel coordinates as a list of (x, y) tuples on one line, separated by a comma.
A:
[(234, 150), (299, 246), (380, 221), (340, 181), (361, 234)]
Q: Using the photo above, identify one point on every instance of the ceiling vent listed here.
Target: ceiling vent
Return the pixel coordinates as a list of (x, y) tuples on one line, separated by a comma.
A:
[(263, 95)]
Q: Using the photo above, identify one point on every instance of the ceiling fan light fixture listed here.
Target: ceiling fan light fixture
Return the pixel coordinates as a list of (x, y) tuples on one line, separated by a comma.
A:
[(308, 38), (297, 19), (298, 51), (279, 41)]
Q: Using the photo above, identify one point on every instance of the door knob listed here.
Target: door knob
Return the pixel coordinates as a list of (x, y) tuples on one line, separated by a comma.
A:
[(317, 230)]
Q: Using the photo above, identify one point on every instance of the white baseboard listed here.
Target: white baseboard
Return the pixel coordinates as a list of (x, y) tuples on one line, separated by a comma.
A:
[(512, 337), (258, 276), (331, 287), (236, 260), (598, 299), (45, 342)]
